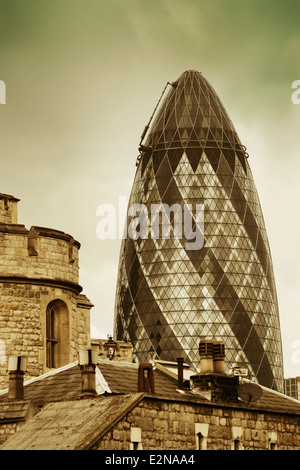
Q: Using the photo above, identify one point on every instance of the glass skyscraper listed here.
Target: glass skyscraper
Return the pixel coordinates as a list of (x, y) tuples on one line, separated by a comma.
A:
[(168, 296)]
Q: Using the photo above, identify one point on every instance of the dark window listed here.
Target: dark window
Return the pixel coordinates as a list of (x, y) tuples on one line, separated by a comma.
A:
[(51, 335)]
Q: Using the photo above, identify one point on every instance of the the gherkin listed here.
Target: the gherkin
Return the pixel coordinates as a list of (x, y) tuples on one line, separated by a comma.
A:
[(169, 297)]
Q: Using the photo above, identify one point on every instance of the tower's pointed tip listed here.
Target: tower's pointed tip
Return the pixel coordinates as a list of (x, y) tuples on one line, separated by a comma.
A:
[(190, 72)]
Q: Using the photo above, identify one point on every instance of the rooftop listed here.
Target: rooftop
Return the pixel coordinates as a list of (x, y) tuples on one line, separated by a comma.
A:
[(62, 420), (111, 378), (72, 425), (114, 377)]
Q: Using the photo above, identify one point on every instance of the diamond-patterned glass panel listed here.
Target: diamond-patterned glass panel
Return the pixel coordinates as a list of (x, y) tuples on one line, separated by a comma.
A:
[(168, 297)]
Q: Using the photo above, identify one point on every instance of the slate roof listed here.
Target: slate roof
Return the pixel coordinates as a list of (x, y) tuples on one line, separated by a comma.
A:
[(114, 377), (67, 423), (72, 425), (62, 384), (16, 411), (122, 377), (276, 401), (12, 411), (111, 377)]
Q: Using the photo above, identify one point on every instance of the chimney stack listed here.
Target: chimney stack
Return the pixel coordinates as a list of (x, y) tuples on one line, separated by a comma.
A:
[(16, 367), (180, 373), (146, 378), (88, 360), (212, 381)]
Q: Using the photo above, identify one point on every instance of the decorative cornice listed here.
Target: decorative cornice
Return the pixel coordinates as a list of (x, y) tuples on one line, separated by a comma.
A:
[(13, 228), (73, 287), (9, 197)]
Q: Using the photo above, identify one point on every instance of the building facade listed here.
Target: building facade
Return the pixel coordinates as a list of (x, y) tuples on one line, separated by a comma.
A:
[(43, 313), (209, 411), (171, 292), (171, 425), (153, 423)]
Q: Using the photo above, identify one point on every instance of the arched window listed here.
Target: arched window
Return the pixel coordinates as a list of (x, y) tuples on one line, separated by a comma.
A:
[(52, 320), (57, 334)]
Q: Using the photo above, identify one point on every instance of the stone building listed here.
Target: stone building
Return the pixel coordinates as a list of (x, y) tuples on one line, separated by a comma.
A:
[(43, 312), (151, 406)]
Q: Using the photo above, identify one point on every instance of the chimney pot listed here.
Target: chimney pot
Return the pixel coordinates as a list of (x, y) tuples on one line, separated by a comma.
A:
[(219, 357), (17, 363), (206, 351), (88, 356), (146, 378)]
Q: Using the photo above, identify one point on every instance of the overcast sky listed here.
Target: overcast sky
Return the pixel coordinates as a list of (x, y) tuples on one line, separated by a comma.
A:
[(82, 79)]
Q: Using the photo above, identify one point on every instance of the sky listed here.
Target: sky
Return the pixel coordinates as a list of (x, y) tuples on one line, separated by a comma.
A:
[(82, 80)]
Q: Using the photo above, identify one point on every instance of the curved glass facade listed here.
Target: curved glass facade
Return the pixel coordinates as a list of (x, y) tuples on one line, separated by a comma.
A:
[(169, 297)]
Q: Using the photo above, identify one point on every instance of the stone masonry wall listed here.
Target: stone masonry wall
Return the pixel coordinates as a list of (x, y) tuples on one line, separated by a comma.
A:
[(7, 430), (37, 267), (23, 325), (39, 253), (8, 209), (171, 425), (14, 414)]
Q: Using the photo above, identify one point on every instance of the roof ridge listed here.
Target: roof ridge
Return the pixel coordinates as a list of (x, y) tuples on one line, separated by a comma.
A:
[(117, 363)]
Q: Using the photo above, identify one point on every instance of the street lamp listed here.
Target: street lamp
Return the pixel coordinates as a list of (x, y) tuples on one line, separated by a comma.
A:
[(110, 347)]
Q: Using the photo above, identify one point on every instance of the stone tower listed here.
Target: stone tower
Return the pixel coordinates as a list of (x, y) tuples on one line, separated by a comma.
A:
[(43, 313), (169, 296)]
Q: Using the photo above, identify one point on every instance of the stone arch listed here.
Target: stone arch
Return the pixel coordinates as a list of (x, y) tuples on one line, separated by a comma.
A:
[(57, 334)]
